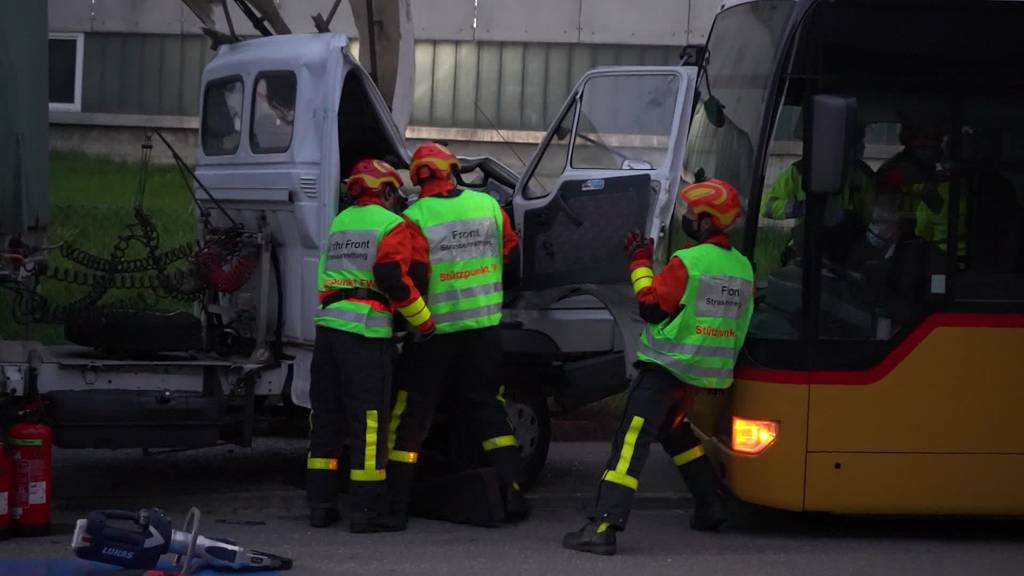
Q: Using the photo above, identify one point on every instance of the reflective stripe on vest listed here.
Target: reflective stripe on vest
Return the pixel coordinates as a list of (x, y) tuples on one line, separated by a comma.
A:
[(464, 234), (699, 345), (347, 262)]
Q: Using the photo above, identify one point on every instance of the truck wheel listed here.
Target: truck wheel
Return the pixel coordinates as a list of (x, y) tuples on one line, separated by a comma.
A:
[(528, 413)]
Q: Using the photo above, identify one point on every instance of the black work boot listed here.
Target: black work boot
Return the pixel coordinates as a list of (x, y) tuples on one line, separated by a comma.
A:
[(322, 493), (596, 537), (708, 508), (509, 468), (322, 516), (369, 509), (401, 477), (517, 507)]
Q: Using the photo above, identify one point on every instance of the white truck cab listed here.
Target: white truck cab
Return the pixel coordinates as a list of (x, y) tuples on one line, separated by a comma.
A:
[(284, 118)]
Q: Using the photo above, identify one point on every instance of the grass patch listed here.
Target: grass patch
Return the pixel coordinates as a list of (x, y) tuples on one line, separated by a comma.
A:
[(91, 205)]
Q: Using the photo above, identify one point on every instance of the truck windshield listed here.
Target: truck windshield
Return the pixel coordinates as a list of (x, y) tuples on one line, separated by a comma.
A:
[(726, 125)]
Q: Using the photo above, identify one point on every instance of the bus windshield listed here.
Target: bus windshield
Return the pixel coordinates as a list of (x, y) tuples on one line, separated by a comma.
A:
[(726, 127)]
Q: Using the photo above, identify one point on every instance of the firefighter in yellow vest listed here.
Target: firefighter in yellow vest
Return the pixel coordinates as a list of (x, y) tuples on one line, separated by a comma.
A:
[(697, 310), (363, 280), (461, 240)]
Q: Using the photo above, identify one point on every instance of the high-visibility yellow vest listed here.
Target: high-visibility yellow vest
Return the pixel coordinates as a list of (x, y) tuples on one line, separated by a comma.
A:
[(934, 226), (347, 263), (858, 193), (464, 234), (699, 345)]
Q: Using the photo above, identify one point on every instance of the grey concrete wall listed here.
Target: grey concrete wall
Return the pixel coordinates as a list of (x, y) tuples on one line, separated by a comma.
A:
[(122, 142)]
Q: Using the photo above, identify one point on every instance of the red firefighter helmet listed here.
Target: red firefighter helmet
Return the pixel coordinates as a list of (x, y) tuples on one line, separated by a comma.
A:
[(371, 177), (430, 161), (715, 198)]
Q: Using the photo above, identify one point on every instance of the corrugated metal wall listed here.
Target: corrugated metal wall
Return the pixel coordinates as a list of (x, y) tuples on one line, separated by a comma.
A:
[(508, 85), (637, 22), (143, 73), (23, 135)]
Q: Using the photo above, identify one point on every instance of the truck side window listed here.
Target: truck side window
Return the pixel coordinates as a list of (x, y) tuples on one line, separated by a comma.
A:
[(222, 116), (273, 112)]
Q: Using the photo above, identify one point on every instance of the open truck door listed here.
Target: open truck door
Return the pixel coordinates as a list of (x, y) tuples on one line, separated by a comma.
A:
[(610, 164)]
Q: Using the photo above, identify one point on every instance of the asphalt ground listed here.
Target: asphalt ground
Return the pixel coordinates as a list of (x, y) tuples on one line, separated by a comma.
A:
[(249, 495)]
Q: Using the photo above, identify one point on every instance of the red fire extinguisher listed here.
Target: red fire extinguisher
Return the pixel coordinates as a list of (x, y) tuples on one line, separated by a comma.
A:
[(6, 482), (32, 444)]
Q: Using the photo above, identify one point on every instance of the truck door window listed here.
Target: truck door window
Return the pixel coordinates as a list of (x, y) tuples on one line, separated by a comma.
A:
[(625, 122), (222, 116), (273, 112), (544, 179)]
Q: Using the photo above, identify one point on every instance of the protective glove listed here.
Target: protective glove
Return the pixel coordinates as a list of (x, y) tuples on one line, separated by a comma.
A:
[(637, 248)]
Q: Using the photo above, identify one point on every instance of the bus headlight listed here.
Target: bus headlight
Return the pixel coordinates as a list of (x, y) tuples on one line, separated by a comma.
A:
[(753, 436)]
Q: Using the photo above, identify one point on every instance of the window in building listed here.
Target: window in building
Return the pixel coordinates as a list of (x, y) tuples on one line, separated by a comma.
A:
[(66, 72), (222, 116), (273, 112)]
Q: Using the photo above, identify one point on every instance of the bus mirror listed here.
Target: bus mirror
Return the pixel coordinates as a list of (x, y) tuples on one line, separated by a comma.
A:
[(830, 131)]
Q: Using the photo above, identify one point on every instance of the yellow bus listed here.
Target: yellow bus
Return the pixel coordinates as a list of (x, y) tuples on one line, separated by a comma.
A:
[(884, 369)]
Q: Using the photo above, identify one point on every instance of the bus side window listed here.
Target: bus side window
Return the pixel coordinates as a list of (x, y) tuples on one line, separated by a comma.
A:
[(992, 263)]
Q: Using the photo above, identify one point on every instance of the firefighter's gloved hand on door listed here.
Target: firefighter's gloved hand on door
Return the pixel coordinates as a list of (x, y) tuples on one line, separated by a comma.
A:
[(363, 279), (698, 309), (637, 247)]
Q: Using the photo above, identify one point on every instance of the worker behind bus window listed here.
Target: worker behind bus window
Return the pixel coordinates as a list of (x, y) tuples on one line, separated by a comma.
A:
[(697, 311), (846, 215), (921, 174), (461, 240), (363, 278)]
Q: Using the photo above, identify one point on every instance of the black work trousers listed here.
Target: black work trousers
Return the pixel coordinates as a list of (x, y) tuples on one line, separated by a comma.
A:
[(468, 361), (656, 409), (350, 395)]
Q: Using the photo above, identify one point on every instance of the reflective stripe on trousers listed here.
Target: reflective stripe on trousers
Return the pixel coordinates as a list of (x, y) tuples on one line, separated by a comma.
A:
[(684, 458), (396, 417), (499, 442), (621, 473), (321, 463), (369, 472)]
